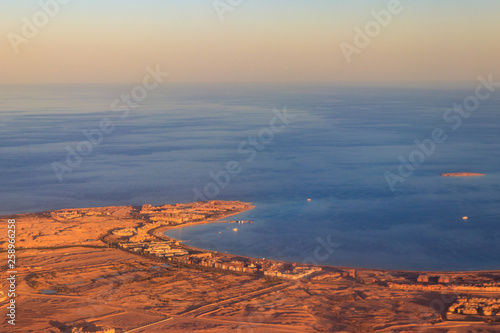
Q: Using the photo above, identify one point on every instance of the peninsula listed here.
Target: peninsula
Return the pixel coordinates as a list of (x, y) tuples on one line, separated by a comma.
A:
[(111, 270)]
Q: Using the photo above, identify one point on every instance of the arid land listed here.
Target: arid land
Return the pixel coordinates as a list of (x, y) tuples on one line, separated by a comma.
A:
[(112, 267)]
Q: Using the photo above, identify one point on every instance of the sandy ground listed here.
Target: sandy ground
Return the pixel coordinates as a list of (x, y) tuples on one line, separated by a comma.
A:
[(133, 293)]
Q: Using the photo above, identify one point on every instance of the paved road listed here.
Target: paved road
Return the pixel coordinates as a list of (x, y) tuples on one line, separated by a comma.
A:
[(196, 314)]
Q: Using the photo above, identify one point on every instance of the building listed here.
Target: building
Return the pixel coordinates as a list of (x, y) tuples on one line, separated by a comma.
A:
[(423, 278), (444, 279), (84, 327)]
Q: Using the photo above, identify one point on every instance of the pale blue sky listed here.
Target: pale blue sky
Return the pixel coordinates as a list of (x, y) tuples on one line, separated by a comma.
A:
[(281, 40)]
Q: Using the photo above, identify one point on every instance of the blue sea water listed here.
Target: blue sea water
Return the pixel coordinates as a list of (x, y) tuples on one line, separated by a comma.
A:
[(336, 150)]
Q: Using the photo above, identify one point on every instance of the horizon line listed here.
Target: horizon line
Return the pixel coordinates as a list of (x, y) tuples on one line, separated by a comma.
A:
[(240, 82)]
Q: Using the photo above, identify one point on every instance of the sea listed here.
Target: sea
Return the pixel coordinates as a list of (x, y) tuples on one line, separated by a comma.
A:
[(343, 174)]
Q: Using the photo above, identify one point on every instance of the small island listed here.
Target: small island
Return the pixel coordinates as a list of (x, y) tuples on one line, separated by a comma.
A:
[(462, 174)]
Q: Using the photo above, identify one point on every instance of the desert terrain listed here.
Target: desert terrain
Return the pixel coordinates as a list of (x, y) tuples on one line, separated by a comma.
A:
[(110, 269)]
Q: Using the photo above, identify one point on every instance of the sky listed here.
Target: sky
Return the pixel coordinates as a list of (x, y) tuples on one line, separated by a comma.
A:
[(247, 40)]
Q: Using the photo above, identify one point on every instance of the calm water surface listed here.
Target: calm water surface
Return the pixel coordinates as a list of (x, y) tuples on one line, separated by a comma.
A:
[(335, 151)]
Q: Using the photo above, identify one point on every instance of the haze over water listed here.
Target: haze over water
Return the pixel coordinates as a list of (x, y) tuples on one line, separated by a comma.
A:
[(335, 152)]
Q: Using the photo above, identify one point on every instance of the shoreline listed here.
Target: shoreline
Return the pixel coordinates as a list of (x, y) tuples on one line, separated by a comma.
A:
[(144, 268), (207, 221), (159, 233)]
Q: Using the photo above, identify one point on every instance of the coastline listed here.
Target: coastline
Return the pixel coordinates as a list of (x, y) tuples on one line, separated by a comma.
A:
[(142, 269), (159, 233), (207, 221)]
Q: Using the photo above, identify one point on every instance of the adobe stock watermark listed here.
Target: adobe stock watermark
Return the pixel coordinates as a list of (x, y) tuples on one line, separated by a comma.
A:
[(39, 20), (265, 309), (250, 148), (454, 118), (120, 110), (372, 29), (322, 252), (223, 6), (12, 272)]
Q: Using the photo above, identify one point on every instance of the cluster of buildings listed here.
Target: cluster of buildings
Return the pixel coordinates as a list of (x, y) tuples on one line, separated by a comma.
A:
[(192, 212), (491, 287), (138, 240), (156, 216), (351, 273), (84, 327), (440, 287), (442, 282), (73, 213), (208, 260), (66, 214), (157, 249), (125, 232), (296, 272), (440, 279), (480, 287), (169, 214), (247, 265), (166, 214), (476, 306), (138, 234)]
